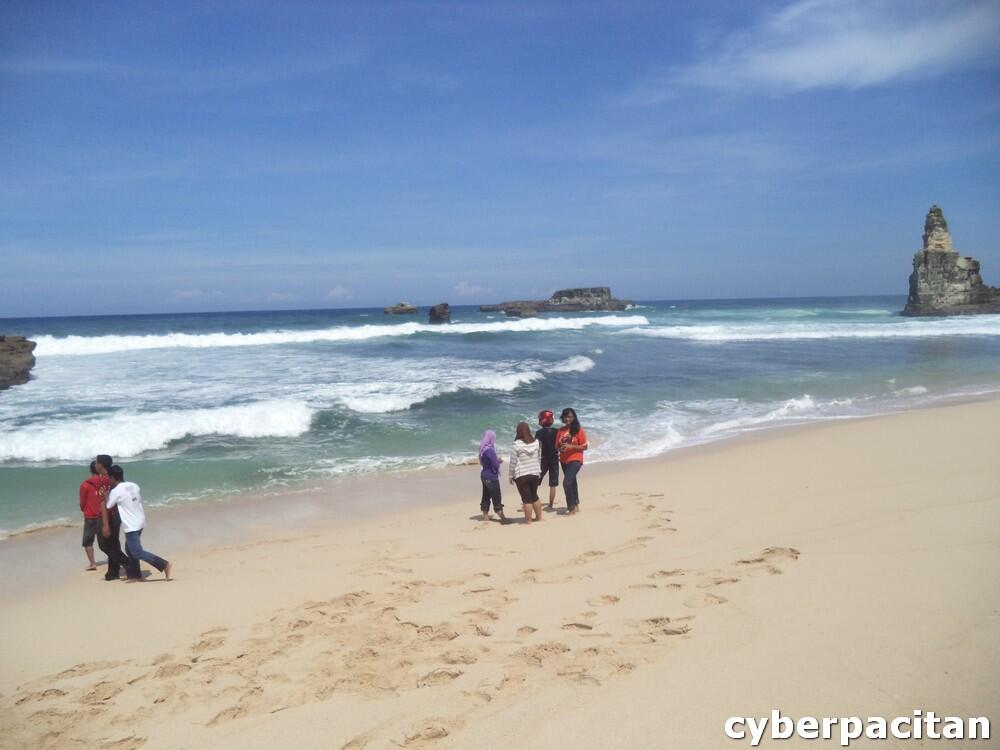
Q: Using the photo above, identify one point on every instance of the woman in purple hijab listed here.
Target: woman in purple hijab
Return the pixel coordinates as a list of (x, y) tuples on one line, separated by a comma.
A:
[(490, 476)]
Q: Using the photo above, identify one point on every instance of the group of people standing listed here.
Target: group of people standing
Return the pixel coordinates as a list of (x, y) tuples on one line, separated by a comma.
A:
[(532, 459), (111, 505)]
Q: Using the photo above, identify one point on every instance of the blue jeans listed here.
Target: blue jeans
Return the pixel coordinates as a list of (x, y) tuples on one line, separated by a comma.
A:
[(133, 542), (491, 491), (570, 487)]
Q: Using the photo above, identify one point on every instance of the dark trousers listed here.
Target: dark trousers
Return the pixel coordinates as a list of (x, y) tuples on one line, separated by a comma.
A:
[(491, 491), (112, 547), (570, 486), (133, 542)]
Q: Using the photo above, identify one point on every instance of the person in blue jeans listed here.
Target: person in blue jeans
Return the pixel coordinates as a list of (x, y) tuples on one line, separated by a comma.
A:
[(128, 499), (490, 476)]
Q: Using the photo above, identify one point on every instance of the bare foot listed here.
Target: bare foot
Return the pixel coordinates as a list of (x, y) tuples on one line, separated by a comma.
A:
[(486, 516), (135, 580), (92, 567), (166, 571)]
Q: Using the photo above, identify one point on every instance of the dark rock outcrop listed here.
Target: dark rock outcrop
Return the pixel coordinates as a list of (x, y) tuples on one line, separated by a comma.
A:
[(585, 299), (440, 314), (943, 281), (16, 360), (400, 308)]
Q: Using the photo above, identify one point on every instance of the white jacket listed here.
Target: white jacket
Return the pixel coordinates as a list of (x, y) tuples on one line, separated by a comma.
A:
[(525, 459)]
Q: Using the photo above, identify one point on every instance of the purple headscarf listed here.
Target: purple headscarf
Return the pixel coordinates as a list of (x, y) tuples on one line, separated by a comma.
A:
[(489, 441)]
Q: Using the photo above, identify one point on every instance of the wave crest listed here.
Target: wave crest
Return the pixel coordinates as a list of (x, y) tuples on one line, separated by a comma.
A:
[(128, 434), (50, 346), (813, 331)]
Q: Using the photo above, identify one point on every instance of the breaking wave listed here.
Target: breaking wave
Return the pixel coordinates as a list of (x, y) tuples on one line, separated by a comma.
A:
[(128, 434), (49, 346), (983, 326)]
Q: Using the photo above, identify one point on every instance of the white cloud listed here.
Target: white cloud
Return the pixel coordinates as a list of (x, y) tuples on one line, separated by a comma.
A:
[(465, 289), (339, 294), (848, 44)]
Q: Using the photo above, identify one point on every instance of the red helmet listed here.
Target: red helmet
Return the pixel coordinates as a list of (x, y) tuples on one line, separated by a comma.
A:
[(545, 418)]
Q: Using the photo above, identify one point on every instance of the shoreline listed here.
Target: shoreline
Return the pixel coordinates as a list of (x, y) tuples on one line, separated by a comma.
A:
[(687, 582), (252, 499), (245, 517)]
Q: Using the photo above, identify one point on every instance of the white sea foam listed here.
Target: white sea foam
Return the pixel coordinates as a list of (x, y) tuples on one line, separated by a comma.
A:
[(981, 326), (916, 390), (128, 434), (573, 364), (49, 346), (382, 397)]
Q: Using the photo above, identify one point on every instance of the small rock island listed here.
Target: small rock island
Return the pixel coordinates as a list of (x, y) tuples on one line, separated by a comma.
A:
[(440, 313), (943, 281), (585, 299), (16, 360), (400, 308)]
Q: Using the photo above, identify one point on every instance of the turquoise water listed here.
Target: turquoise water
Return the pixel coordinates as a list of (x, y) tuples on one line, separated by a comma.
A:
[(201, 405)]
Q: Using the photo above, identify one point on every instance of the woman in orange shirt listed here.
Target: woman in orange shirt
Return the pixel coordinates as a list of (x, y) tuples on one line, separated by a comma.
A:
[(571, 442)]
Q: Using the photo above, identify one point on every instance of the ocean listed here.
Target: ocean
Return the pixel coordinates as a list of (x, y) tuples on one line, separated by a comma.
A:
[(199, 406)]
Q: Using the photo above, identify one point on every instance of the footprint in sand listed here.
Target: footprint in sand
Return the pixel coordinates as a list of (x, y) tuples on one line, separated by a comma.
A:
[(578, 673), (667, 573), (655, 626), (82, 669), (427, 734), (577, 626), (210, 644), (708, 583), (438, 677), (41, 695), (526, 630), (606, 600), (357, 743), (459, 656), (540, 653), (171, 670), (704, 600), (125, 743), (102, 692), (771, 554)]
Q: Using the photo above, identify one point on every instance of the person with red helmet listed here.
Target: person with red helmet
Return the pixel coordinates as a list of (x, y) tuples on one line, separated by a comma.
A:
[(546, 437)]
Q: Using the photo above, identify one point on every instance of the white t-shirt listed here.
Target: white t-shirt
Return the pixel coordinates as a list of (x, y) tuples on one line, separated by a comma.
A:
[(129, 501)]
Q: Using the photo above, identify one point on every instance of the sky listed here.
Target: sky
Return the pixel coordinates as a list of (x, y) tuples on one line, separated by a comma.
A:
[(193, 156)]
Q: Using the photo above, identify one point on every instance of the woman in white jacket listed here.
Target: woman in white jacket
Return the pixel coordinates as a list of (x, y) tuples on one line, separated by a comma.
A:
[(526, 470)]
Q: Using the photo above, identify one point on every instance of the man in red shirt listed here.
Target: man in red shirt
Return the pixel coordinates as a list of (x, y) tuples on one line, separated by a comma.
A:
[(109, 538), (90, 506)]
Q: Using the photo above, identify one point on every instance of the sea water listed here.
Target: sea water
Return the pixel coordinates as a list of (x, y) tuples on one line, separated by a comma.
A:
[(212, 405)]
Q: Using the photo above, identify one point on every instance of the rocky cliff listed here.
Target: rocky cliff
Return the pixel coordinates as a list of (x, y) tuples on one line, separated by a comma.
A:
[(16, 360), (943, 281), (585, 299)]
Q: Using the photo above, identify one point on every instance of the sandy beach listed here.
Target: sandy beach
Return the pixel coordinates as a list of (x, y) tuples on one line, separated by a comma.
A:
[(841, 569)]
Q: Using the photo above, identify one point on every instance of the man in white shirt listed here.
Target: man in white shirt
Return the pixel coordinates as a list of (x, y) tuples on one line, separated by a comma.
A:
[(128, 499)]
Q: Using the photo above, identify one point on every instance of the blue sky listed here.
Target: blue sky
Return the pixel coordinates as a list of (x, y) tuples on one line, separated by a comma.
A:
[(252, 155)]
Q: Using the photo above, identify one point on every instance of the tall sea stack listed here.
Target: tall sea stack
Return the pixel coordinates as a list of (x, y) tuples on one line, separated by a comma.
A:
[(943, 281)]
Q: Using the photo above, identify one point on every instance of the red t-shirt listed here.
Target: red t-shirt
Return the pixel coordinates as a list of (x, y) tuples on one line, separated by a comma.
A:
[(579, 438), (93, 492)]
